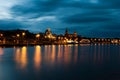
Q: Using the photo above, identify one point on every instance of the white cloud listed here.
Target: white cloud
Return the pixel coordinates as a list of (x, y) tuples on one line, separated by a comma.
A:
[(44, 18), (5, 6)]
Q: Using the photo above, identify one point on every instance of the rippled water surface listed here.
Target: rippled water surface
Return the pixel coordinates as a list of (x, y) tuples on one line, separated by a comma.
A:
[(61, 62)]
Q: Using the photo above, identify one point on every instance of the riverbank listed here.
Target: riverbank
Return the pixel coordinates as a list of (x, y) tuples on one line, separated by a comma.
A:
[(33, 44)]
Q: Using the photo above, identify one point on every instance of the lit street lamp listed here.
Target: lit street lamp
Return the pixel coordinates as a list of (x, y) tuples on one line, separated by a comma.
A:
[(1, 35), (37, 36), (18, 35), (23, 34)]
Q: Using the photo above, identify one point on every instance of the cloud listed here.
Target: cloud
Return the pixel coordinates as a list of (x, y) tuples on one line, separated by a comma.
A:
[(36, 6), (9, 25), (83, 16), (110, 27), (44, 18)]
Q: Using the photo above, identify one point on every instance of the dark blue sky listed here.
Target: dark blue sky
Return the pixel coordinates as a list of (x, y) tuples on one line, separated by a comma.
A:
[(94, 18)]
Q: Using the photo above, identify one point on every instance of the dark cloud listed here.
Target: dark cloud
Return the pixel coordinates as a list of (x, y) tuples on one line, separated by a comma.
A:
[(38, 7), (9, 25), (82, 16), (111, 27), (103, 34), (89, 4), (79, 18), (111, 3)]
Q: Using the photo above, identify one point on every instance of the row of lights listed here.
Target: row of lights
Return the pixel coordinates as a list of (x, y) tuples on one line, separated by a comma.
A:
[(23, 34), (101, 39)]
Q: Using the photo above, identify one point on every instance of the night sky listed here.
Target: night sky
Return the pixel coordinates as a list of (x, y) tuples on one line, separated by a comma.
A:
[(90, 18)]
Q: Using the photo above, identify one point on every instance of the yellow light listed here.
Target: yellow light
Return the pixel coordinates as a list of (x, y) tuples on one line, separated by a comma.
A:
[(37, 35), (1, 51), (17, 56), (102, 39), (24, 57), (18, 35), (37, 57), (23, 33), (116, 41), (53, 53), (1, 34)]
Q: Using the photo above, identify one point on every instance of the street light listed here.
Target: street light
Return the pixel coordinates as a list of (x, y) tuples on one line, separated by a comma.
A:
[(37, 35), (1, 35), (23, 34), (18, 35)]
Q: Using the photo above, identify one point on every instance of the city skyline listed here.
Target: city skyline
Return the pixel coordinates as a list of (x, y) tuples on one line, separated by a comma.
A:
[(90, 18)]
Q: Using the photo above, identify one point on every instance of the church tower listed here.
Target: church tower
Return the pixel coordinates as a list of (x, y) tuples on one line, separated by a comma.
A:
[(66, 32)]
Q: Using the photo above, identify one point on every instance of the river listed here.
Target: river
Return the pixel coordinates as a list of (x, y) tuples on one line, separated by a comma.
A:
[(60, 62)]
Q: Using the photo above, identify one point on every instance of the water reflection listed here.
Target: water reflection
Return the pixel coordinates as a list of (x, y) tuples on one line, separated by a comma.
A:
[(67, 53), (21, 57), (75, 53), (47, 53), (17, 56), (53, 53), (1, 51), (24, 57), (94, 49), (41, 61), (101, 53), (37, 57), (60, 53), (57, 54), (63, 54)]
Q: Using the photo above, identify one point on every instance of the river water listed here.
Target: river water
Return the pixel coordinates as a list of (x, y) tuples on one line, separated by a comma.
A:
[(60, 62)]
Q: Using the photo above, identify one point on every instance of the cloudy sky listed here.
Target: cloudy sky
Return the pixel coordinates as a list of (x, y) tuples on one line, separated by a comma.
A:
[(94, 18)]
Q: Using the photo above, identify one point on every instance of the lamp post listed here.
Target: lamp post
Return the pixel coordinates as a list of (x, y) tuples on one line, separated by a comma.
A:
[(23, 34), (37, 37), (18, 35), (3, 39), (1, 35)]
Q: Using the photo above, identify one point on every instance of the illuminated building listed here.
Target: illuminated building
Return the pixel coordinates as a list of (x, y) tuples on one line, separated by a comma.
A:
[(48, 34), (85, 41)]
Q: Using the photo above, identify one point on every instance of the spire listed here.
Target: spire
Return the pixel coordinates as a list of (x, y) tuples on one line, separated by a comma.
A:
[(66, 31)]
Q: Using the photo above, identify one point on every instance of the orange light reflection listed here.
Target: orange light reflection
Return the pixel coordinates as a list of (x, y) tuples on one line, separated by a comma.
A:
[(60, 50), (67, 53), (75, 53), (17, 55), (1, 51), (37, 57), (53, 53), (24, 57)]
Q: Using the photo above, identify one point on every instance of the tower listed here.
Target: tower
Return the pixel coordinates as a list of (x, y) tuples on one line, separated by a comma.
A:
[(66, 32), (75, 34)]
